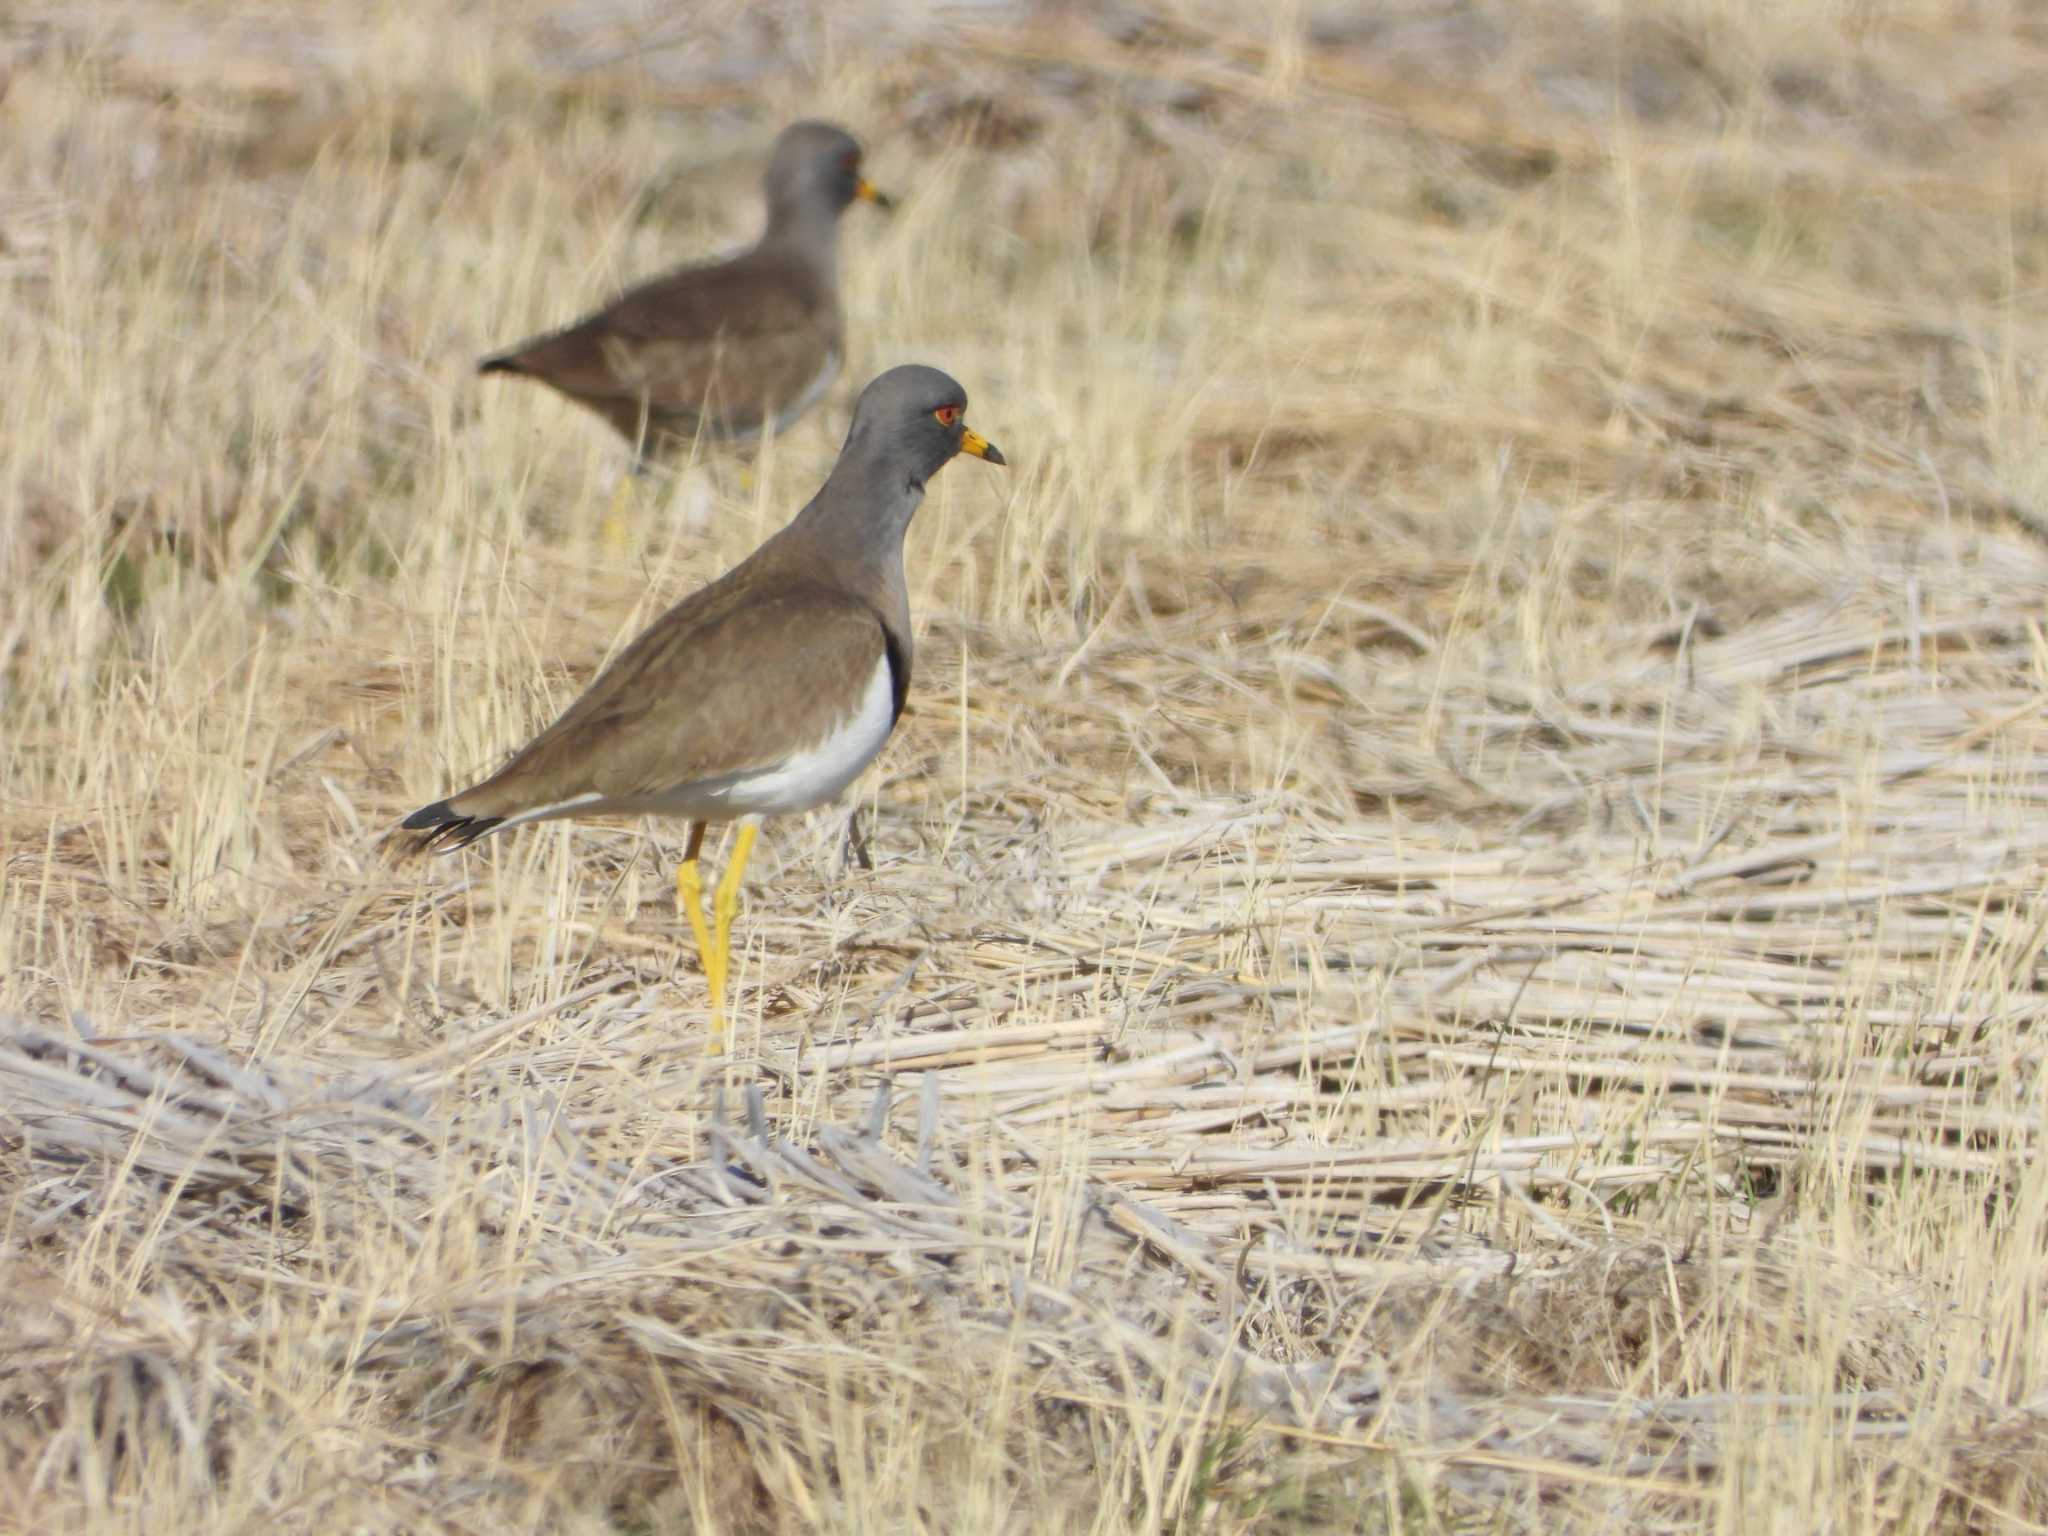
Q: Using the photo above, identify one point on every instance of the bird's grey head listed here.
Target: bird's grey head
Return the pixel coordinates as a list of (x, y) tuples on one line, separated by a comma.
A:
[(815, 172), (909, 422)]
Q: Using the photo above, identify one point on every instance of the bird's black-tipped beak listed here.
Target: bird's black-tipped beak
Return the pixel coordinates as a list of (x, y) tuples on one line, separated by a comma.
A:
[(973, 442), (868, 192)]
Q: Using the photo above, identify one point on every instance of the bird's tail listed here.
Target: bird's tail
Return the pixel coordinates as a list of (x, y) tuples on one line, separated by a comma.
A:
[(446, 828)]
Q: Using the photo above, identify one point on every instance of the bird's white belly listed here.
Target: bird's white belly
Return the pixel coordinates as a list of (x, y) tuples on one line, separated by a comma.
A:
[(805, 778)]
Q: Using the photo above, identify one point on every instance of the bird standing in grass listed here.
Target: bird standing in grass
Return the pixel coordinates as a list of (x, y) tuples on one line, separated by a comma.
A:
[(729, 349), (767, 691)]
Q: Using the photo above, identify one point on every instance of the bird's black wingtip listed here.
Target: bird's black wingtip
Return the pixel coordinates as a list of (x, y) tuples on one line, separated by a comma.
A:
[(498, 362), (439, 814), (445, 828)]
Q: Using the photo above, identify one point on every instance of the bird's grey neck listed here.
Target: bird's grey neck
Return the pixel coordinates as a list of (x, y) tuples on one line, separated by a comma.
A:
[(806, 230), (860, 520), (859, 527)]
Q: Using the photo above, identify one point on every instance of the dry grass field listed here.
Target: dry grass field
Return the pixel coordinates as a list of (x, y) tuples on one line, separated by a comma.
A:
[(1453, 938)]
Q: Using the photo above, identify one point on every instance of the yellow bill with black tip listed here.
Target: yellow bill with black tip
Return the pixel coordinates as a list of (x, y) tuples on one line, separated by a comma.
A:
[(868, 192), (973, 442)]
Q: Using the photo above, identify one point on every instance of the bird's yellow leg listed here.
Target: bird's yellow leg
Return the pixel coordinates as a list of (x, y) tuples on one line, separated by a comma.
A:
[(725, 907), (615, 529), (690, 904)]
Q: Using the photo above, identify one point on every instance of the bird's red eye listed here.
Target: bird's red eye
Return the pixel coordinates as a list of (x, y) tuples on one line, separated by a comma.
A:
[(947, 414), (850, 164)]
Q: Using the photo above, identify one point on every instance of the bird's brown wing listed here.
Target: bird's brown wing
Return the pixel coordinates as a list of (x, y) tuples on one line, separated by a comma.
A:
[(733, 679), (733, 343)]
